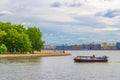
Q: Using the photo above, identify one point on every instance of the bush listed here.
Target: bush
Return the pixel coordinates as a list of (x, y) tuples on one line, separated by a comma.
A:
[(3, 48)]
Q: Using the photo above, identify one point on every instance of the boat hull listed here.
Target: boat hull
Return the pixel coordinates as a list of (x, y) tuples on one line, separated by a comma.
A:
[(80, 60)]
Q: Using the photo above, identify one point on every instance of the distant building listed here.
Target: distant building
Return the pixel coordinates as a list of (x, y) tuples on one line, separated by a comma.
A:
[(109, 46), (97, 47), (48, 47), (118, 45), (62, 47), (84, 47), (75, 47), (91, 47)]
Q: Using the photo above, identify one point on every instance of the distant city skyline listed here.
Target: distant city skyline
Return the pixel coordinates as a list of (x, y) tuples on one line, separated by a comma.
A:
[(67, 21), (91, 46)]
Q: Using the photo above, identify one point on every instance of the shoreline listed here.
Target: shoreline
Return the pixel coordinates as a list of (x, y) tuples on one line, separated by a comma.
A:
[(49, 54)]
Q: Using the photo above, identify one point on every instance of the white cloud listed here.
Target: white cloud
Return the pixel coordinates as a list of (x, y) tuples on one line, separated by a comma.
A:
[(6, 12), (107, 29), (75, 19), (108, 21)]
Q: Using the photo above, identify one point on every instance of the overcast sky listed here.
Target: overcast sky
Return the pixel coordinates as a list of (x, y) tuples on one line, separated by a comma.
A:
[(67, 21)]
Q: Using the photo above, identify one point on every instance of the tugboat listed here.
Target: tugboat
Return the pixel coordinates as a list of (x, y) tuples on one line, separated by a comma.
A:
[(91, 59)]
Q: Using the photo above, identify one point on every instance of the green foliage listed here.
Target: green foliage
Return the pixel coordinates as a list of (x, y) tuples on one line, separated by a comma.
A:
[(19, 39), (3, 49), (2, 33), (35, 36)]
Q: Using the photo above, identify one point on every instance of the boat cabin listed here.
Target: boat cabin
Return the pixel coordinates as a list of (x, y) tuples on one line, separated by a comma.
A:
[(91, 59)]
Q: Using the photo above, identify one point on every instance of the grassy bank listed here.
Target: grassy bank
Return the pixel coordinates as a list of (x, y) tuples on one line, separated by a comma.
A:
[(40, 54)]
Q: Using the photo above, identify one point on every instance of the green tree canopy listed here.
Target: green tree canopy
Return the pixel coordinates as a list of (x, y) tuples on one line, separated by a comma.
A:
[(35, 36), (19, 42), (3, 48), (2, 33), (20, 39)]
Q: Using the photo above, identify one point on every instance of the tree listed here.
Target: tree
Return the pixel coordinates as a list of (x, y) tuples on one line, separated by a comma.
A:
[(3, 48), (19, 42), (35, 36), (2, 33), (17, 38), (14, 37), (24, 43)]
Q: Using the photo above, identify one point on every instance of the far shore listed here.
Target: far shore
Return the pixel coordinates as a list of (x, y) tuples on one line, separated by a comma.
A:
[(40, 54)]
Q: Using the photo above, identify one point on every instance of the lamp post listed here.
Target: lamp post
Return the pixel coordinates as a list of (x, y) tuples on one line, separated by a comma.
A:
[(63, 49)]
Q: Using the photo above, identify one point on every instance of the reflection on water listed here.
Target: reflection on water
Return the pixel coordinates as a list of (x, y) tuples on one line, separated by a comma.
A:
[(114, 61), (19, 60), (61, 68)]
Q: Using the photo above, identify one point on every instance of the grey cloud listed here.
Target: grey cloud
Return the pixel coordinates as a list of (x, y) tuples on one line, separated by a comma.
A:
[(73, 4), (109, 13), (88, 21), (2, 14), (56, 4)]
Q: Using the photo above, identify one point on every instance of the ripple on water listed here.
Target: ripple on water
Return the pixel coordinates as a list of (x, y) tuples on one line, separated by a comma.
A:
[(61, 68)]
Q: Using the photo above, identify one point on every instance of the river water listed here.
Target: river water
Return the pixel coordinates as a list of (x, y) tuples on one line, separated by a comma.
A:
[(61, 68)]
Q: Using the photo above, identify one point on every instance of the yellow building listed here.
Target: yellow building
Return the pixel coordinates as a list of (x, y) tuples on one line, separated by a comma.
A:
[(109, 46)]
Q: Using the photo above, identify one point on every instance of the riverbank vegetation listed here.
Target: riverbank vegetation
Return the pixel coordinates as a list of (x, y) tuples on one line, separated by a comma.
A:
[(17, 38)]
